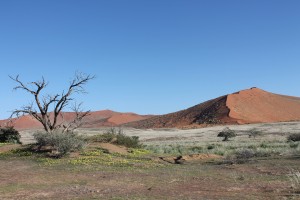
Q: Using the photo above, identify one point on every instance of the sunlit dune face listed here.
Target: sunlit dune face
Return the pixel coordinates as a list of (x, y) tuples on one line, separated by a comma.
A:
[(256, 105)]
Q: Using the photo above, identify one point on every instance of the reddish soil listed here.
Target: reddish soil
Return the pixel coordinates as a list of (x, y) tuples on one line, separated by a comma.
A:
[(190, 158), (111, 148), (9, 147), (262, 180)]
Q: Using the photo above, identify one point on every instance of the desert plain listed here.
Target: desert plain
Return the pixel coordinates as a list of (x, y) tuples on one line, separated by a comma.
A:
[(207, 171)]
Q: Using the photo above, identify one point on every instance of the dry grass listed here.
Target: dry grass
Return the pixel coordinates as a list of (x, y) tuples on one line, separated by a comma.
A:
[(23, 177), (139, 175)]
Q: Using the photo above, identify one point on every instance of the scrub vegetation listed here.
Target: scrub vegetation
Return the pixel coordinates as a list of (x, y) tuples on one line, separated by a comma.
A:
[(263, 167)]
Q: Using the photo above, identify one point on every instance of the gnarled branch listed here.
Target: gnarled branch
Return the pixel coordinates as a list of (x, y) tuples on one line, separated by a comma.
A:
[(59, 101)]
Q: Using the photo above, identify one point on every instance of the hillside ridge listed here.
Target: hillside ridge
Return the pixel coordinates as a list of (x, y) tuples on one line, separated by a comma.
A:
[(247, 106)]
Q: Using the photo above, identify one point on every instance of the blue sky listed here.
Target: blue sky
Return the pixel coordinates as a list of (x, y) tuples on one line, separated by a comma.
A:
[(155, 56)]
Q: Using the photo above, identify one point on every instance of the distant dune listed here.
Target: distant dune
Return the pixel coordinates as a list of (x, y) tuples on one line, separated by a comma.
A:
[(244, 107), (94, 120)]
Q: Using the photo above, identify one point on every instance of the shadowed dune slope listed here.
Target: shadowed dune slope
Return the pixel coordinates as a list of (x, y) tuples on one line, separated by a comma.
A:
[(247, 106), (210, 112)]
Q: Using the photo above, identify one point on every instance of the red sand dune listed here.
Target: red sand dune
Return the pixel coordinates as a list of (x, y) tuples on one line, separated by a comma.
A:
[(248, 106), (256, 105), (94, 120)]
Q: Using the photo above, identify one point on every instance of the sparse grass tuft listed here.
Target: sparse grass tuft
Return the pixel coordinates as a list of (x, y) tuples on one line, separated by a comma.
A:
[(105, 137), (195, 149), (294, 178), (294, 145), (263, 145), (254, 133)]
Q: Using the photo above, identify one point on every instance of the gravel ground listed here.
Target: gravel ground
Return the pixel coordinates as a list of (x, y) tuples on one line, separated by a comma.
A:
[(171, 136)]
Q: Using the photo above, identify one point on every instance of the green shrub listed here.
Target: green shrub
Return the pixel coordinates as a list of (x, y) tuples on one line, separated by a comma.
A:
[(61, 143), (294, 137), (42, 138), (117, 136), (128, 141), (227, 133), (10, 135), (211, 146)]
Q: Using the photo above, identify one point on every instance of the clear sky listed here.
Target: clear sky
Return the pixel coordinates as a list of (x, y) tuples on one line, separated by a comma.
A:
[(154, 56)]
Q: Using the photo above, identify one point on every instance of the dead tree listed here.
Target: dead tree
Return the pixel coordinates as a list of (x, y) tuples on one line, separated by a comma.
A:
[(59, 101)]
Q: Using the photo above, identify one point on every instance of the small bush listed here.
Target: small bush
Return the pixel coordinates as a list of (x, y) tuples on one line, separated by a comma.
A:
[(128, 141), (42, 138), (245, 154), (10, 135), (227, 133), (294, 137), (240, 156), (61, 143), (117, 136), (211, 146)]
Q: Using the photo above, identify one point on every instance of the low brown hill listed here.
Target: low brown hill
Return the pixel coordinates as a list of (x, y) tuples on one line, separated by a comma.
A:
[(247, 106), (94, 120)]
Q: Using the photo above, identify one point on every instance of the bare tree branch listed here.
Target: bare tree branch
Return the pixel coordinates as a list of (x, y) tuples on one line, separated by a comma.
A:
[(59, 102), (78, 119), (21, 85)]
